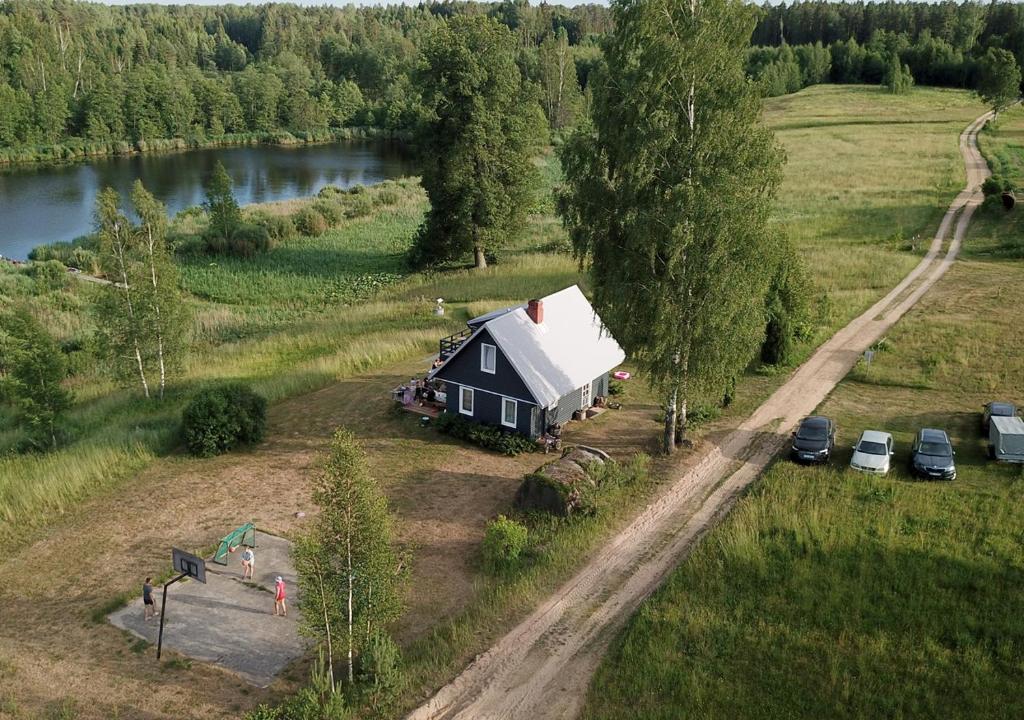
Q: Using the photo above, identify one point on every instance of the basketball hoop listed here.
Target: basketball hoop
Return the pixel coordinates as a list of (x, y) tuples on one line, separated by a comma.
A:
[(190, 566)]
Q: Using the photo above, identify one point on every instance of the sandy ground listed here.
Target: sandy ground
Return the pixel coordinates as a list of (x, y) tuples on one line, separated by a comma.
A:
[(541, 669)]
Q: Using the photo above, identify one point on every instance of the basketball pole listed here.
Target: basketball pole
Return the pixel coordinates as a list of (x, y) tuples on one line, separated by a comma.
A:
[(163, 611)]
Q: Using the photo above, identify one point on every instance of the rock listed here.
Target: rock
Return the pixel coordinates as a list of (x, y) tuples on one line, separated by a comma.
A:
[(555, 487), (300, 514)]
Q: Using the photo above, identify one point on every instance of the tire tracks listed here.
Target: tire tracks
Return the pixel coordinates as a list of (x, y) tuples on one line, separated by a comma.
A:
[(542, 667)]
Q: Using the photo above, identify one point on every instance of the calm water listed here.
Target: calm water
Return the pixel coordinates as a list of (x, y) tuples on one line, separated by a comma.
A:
[(43, 205)]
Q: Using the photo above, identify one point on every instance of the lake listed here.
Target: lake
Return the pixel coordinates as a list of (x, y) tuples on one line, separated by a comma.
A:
[(41, 205)]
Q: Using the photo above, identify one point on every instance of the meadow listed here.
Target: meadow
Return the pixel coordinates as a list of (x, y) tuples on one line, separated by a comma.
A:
[(826, 593)]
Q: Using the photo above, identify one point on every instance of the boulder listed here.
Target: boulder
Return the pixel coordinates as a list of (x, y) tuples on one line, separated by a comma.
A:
[(557, 486)]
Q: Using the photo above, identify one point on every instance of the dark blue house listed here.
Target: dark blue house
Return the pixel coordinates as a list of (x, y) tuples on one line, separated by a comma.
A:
[(528, 367)]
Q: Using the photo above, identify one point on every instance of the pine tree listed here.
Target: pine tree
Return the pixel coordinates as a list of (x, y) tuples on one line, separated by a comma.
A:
[(667, 196)]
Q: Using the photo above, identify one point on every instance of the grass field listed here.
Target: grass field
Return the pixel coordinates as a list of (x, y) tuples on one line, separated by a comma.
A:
[(827, 593), (275, 324)]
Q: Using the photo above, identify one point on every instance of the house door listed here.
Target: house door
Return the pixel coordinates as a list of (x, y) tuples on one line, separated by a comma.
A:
[(585, 397)]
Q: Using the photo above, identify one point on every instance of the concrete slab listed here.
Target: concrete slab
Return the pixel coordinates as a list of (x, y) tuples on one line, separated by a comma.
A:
[(227, 622)]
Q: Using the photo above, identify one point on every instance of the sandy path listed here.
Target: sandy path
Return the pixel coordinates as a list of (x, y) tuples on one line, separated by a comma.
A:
[(541, 669)]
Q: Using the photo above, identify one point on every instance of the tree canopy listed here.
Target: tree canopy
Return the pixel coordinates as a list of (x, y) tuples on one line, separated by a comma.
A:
[(999, 79), (667, 195), (482, 125)]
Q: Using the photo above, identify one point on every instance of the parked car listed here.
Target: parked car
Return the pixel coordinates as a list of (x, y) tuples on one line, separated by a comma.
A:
[(813, 440), (932, 455), (873, 452), (996, 409), (1006, 439)]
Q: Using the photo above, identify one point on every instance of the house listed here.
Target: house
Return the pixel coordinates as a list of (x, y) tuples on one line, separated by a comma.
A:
[(528, 367)]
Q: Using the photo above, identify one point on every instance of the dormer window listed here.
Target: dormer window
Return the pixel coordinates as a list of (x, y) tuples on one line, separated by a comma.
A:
[(488, 358)]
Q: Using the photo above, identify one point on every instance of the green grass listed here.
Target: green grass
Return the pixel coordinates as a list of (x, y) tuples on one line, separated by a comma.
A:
[(826, 593), (315, 310)]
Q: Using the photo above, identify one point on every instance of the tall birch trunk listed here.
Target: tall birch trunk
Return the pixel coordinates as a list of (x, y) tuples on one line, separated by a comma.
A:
[(120, 250), (348, 550), (156, 309), (669, 439)]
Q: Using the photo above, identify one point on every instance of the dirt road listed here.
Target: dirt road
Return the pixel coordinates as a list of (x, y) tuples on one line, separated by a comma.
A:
[(541, 668)]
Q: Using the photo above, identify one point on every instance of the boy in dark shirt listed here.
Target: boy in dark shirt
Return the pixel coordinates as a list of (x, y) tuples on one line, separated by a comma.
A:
[(149, 607)]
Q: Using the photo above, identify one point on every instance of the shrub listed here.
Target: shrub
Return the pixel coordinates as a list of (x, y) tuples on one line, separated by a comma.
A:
[(504, 543), (995, 185), (49, 275), (280, 228), (486, 436), (330, 191), (358, 206), (309, 222), (332, 212), (221, 418), (387, 197)]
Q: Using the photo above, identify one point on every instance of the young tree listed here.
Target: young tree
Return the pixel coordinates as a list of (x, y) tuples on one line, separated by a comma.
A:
[(348, 570), (121, 315), (476, 144), (167, 317), (225, 215), (668, 195), (898, 79), (31, 372), (998, 79), (561, 90)]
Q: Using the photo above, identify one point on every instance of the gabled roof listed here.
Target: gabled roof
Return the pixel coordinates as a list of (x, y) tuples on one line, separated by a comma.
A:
[(487, 317), (570, 348)]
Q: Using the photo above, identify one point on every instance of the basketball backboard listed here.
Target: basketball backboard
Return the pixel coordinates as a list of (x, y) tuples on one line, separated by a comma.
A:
[(189, 564)]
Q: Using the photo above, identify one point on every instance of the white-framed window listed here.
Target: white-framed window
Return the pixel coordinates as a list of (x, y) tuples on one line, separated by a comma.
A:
[(488, 358), (585, 397), (509, 412), (466, 400)]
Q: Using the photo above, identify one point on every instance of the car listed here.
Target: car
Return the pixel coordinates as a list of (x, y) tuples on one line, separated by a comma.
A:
[(996, 409), (932, 455), (813, 440), (873, 452)]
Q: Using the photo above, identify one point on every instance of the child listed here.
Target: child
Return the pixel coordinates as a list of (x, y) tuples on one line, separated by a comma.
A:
[(148, 606), (248, 561), (279, 595)]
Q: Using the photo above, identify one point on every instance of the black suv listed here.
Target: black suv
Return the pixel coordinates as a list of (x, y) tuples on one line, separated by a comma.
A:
[(932, 455), (813, 440)]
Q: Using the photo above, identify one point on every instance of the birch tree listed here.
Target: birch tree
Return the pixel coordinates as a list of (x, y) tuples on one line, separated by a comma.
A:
[(166, 326), (121, 315), (667, 194), (559, 84), (349, 572)]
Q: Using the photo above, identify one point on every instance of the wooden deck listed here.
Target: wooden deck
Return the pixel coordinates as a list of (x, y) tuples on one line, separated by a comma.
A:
[(427, 409)]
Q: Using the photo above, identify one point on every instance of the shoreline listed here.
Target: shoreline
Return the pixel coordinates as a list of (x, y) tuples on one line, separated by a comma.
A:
[(77, 150)]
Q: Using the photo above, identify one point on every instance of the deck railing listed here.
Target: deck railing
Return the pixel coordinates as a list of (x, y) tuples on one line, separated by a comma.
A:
[(450, 344)]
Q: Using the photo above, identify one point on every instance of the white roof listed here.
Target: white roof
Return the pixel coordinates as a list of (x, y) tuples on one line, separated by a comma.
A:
[(1008, 425), (569, 349)]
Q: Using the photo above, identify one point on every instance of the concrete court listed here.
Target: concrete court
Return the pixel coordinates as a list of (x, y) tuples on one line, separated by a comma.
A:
[(226, 622)]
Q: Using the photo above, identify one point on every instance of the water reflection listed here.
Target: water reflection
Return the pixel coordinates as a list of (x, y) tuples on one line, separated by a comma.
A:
[(41, 205)]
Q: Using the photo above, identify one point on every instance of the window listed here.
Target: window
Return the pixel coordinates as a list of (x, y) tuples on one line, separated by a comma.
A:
[(585, 397), (466, 401), (509, 412), (488, 358)]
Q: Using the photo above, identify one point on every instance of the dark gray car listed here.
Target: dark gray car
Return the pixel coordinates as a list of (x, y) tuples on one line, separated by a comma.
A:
[(932, 455), (813, 440), (996, 409)]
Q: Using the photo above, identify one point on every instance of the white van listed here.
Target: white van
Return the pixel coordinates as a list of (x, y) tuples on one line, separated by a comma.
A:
[(1006, 439)]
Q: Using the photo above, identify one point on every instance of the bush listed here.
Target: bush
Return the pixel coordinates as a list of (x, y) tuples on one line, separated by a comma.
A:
[(309, 222), (995, 185), (387, 197), (504, 543), (280, 228), (357, 206), (49, 275), (330, 191), (332, 212), (221, 418), (486, 436)]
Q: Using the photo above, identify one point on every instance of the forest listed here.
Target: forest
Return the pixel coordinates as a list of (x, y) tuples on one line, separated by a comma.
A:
[(80, 79)]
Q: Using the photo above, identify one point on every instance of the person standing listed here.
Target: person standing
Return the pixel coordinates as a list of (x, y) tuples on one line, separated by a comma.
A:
[(148, 606), (279, 597), (248, 562)]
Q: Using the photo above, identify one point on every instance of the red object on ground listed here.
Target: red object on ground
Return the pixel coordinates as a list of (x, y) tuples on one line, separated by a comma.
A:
[(621, 375)]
